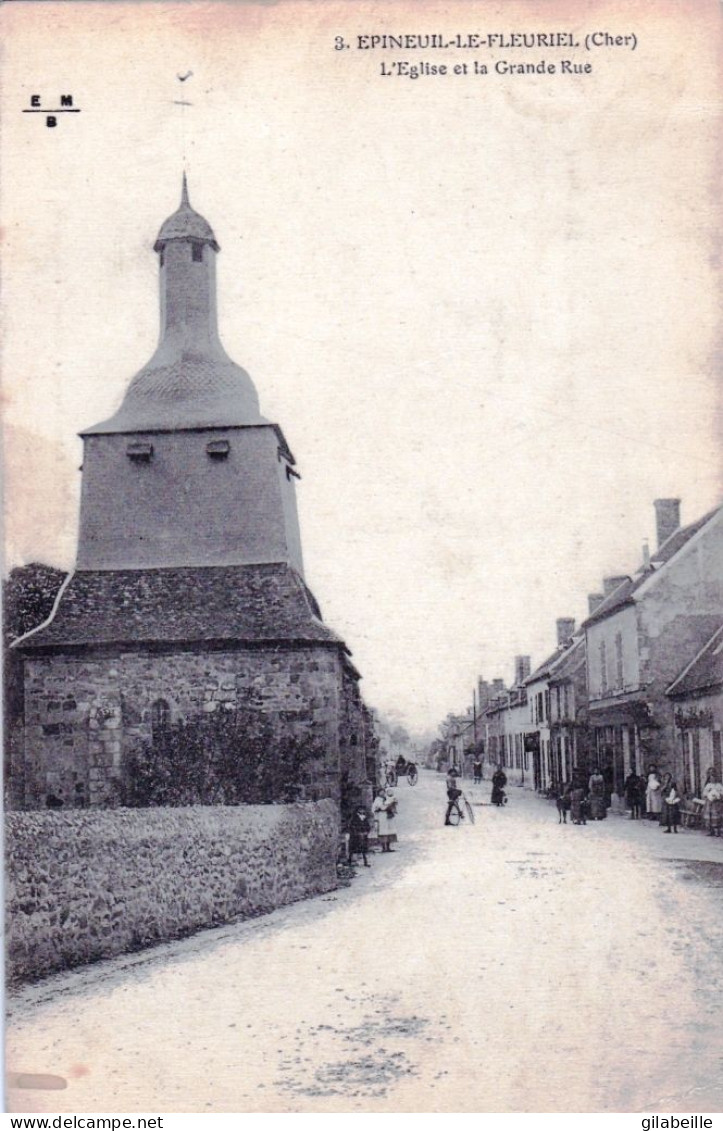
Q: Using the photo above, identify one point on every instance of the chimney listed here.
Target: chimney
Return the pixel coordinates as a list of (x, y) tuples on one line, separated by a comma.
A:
[(646, 555), (593, 600), (667, 518), (523, 668), (483, 693), (565, 630), (611, 583)]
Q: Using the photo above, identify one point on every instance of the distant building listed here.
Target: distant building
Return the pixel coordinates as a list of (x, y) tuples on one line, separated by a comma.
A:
[(549, 740), (188, 597), (569, 729), (639, 636)]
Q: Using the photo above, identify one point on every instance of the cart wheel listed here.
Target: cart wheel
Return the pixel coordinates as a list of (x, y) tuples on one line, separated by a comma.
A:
[(412, 775)]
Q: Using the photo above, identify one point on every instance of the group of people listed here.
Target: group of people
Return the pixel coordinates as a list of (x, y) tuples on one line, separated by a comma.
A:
[(659, 800), (580, 802), (364, 824)]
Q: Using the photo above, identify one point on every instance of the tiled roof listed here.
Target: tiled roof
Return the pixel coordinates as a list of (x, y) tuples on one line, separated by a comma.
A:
[(706, 670), (253, 603), (624, 593), (178, 389)]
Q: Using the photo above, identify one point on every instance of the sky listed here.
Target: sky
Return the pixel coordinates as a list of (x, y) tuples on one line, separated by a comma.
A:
[(483, 308)]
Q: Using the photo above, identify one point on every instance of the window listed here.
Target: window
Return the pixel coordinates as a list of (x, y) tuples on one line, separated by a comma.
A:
[(197, 252), (140, 451), (619, 659), (160, 720), (218, 449), (603, 667)]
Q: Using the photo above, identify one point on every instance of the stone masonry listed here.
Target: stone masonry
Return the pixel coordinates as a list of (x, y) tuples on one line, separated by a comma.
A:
[(85, 715), (81, 886)]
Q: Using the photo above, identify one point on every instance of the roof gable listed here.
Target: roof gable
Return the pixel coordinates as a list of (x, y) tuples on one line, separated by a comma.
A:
[(705, 671), (630, 590)]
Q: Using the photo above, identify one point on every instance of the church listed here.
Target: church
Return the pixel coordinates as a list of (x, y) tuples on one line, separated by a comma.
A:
[(188, 599)]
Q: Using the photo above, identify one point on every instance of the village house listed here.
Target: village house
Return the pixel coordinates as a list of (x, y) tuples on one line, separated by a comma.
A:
[(549, 763), (569, 729), (639, 635), (697, 699)]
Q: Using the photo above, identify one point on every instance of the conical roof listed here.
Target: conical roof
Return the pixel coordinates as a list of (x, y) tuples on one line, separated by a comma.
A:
[(190, 382), (185, 224)]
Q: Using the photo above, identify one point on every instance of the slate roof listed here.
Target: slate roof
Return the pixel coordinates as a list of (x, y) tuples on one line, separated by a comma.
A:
[(186, 223), (570, 661), (542, 669), (225, 604), (705, 671), (552, 663), (624, 594)]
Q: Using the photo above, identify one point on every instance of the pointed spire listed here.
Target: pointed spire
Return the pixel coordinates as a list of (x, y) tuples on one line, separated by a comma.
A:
[(185, 223)]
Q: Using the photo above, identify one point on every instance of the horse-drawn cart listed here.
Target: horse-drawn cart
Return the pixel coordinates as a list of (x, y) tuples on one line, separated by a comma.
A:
[(401, 769)]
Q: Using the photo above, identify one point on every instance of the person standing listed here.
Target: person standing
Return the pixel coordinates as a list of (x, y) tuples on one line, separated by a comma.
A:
[(578, 804), (596, 790), (713, 802), (499, 781), (653, 795), (671, 807), (477, 770), (453, 792), (385, 810), (664, 791), (359, 827), (634, 794)]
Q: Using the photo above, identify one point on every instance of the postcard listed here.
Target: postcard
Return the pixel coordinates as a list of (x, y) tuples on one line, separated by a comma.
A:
[(363, 557)]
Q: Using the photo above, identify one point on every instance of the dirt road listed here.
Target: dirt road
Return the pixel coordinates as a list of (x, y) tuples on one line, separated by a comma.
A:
[(515, 965)]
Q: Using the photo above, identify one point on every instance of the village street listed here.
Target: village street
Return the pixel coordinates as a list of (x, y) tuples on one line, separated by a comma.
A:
[(515, 965)]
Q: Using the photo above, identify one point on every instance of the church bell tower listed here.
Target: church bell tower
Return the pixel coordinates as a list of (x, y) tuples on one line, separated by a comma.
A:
[(187, 472), (188, 599)]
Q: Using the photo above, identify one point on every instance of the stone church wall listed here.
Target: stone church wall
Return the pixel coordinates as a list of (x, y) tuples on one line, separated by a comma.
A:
[(84, 716), (86, 885)]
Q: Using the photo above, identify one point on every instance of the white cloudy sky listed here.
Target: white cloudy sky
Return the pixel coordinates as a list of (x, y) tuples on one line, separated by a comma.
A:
[(485, 310)]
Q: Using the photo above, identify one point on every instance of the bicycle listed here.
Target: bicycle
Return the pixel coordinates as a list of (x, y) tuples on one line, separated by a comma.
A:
[(455, 813)]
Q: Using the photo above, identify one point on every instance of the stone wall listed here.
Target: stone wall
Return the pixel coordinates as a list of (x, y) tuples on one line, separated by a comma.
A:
[(85, 885), (85, 715)]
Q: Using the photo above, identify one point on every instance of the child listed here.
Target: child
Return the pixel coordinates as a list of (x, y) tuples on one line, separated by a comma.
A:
[(359, 827), (671, 808)]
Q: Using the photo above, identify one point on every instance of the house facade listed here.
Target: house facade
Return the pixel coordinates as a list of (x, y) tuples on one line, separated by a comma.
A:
[(696, 697), (638, 634)]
